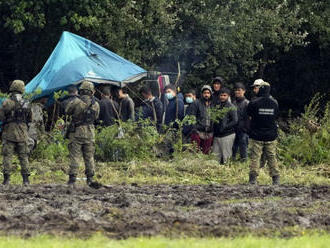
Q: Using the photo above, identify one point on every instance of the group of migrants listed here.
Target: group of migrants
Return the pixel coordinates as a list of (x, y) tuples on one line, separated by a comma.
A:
[(246, 123)]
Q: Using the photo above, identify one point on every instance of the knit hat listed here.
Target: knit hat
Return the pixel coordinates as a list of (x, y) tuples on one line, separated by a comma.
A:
[(207, 87)]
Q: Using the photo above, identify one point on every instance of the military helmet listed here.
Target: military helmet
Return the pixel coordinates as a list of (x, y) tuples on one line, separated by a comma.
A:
[(85, 85), (18, 86)]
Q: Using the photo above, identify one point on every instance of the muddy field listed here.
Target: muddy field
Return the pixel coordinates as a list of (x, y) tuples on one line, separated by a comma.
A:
[(122, 211)]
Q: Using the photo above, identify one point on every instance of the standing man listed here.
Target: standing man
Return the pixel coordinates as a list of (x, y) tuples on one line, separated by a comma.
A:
[(175, 107), (126, 104), (152, 107), (16, 115), (108, 108), (217, 84), (84, 112), (189, 98), (242, 137), (202, 132), (224, 129), (263, 113), (72, 94), (256, 85)]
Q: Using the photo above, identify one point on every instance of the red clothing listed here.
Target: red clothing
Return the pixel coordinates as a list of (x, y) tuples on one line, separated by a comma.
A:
[(204, 144)]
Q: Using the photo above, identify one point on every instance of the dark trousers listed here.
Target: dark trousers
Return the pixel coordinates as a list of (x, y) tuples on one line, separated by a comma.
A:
[(241, 143), (203, 144)]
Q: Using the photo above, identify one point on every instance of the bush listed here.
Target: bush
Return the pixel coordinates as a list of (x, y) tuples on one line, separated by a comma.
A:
[(125, 141), (52, 146), (308, 139)]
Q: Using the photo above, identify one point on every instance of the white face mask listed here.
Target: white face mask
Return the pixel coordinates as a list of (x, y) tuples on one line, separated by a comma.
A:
[(189, 100), (169, 95)]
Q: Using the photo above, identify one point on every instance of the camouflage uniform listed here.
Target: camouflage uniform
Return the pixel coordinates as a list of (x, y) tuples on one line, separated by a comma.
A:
[(82, 133), (15, 113), (266, 149)]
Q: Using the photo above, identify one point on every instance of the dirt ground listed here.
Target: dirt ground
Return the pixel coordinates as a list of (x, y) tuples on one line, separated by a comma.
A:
[(122, 211)]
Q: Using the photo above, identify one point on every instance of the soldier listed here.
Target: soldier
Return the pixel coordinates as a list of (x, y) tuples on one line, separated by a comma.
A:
[(255, 87), (263, 113), (15, 113), (84, 111)]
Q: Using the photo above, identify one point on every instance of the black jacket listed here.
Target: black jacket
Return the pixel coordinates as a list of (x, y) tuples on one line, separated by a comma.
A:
[(108, 111), (243, 119), (203, 121), (172, 111), (226, 126), (152, 109), (126, 109), (263, 112), (215, 98)]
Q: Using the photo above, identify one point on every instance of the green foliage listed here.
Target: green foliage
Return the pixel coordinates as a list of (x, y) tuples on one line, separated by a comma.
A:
[(308, 141), (217, 113), (31, 95), (52, 146), (125, 141)]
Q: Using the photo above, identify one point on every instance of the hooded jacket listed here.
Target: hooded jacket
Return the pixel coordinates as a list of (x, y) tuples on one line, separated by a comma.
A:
[(263, 112), (200, 110)]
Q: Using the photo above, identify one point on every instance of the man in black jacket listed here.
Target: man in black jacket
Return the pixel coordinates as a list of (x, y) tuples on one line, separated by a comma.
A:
[(108, 108), (242, 137), (152, 108), (263, 113), (126, 105), (224, 128), (217, 84), (202, 132)]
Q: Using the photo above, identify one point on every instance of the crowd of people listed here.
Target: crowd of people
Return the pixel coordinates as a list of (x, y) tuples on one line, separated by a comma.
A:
[(243, 123)]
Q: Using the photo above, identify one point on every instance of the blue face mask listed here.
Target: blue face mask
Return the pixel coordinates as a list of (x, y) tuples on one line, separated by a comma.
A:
[(169, 96), (189, 100)]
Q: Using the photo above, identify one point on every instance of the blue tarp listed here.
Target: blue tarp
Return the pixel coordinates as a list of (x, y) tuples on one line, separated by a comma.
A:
[(75, 59)]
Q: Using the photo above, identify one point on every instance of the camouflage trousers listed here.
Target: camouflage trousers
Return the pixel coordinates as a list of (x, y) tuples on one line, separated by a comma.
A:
[(10, 148), (81, 149), (269, 149)]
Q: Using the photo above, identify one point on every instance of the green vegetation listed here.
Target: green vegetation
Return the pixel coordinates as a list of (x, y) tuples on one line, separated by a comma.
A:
[(308, 139), (188, 169), (315, 241), (141, 155), (279, 40)]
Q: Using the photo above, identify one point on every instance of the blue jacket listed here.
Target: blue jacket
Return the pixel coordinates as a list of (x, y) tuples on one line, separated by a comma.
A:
[(171, 109)]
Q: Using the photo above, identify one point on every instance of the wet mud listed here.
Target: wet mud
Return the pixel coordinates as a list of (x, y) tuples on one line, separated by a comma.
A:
[(121, 211)]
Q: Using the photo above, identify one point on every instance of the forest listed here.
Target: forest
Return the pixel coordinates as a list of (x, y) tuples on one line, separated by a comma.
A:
[(285, 42)]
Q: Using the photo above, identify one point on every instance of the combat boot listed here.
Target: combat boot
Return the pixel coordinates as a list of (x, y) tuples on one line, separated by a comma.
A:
[(276, 180), (6, 179), (26, 180), (93, 184), (252, 178), (72, 180)]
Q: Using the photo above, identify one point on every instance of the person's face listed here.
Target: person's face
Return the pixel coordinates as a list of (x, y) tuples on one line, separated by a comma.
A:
[(206, 94), (223, 97), (216, 86), (239, 92), (256, 89), (191, 95), (170, 91)]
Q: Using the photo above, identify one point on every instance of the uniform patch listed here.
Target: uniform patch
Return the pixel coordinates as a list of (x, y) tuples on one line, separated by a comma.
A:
[(263, 111)]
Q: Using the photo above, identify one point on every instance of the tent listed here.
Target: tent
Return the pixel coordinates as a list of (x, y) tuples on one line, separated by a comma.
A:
[(75, 59)]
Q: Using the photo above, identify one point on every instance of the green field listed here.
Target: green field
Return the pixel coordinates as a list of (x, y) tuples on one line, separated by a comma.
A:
[(313, 241)]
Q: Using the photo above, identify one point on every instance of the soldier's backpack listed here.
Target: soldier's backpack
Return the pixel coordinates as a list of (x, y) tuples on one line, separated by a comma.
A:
[(88, 116), (19, 112)]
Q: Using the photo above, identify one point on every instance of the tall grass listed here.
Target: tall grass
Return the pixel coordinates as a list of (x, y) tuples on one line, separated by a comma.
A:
[(308, 139)]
